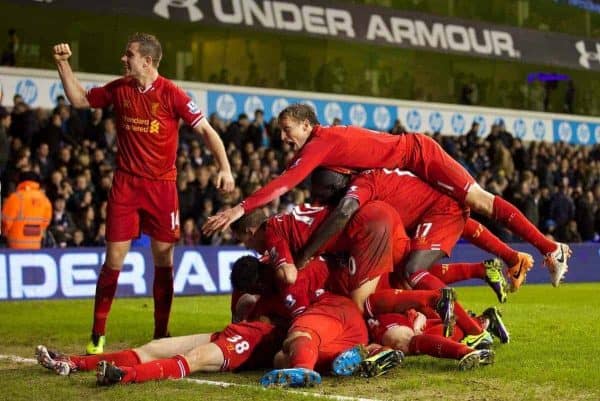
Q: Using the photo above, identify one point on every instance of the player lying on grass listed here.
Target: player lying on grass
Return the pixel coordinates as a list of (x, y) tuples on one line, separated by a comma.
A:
[(413, 334), (328, 326), (244, 345), (359, 149)]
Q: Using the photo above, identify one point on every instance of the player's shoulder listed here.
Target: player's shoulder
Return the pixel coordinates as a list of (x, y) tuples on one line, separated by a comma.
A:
[(120, 82), (166, 84)]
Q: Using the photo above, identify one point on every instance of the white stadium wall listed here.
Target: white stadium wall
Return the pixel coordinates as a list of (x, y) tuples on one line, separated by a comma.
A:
[(39, 88)]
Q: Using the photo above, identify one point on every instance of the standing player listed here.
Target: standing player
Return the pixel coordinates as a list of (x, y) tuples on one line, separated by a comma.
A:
[(143, 196), (358, 148)]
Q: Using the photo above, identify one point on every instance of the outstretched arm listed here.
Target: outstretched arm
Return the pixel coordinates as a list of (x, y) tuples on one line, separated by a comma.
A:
[(309, 157), (333, 224), (73, 89), (225, 180)]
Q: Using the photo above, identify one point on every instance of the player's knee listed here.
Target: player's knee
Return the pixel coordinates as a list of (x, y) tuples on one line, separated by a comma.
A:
[(480, 201)]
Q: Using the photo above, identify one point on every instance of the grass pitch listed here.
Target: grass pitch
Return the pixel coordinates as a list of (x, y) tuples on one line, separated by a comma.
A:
[(554, 353)]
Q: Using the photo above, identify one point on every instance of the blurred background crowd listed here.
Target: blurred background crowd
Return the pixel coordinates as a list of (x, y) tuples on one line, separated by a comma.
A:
[(556, 185)]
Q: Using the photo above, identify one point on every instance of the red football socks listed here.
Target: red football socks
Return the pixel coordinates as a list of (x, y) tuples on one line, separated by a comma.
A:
[(105, 293), (516, 222), (121, 358), (170, 368), (438, 330), (439, 347), (477, 234), (454, 272), (163, 299), (423, 280), (304, 352), (396, 301)]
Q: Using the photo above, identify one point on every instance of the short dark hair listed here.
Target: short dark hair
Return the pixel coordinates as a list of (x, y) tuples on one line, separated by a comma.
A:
[(250, 220), (328, 186), (246, 274), (299, 112), (29, 176), (149, 46)]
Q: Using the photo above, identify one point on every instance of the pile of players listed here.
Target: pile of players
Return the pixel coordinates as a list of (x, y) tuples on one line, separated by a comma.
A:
[(351, 283), (350, 309)]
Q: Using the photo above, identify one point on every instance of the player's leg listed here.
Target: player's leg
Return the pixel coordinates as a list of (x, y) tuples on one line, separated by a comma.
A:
[(106, 287), (555, 253), (122, 225), (162, 289), (490, 271), (378, 237), (519, 263), (432, 163), (160, 220), (157, 349)]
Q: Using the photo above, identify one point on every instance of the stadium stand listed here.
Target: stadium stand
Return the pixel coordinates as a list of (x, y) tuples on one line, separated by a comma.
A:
[(556, 185)]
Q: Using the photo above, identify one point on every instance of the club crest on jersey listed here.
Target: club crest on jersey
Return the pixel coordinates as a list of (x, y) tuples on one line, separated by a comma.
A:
[(126, 104), (193, 107), (154, 108)]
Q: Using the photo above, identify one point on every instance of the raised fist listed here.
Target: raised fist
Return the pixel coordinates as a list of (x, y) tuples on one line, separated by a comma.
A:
[(62, 52)]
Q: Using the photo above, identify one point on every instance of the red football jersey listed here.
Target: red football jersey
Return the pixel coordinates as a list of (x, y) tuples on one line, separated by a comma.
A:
[(407, 193), (287, 233), (147, 124), (339, 146)]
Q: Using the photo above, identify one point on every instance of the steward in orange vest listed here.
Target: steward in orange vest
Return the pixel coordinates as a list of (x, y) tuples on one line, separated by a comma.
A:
[(26, 214)]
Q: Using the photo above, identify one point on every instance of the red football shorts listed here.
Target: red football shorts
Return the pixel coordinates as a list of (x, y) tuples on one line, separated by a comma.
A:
[(248, 344), (429, 161), (138, 204), (338, 325), (385, 321), (375, 237), (440, 228)]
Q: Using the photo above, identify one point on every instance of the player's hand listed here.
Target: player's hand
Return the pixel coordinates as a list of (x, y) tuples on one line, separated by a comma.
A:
[(62, 52), (225, 181), (419, 323), (302, 261), (222, 220)]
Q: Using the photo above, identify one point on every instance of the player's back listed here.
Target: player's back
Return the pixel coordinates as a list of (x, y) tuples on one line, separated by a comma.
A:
[(407, 193), (360, 148), (297, 225)]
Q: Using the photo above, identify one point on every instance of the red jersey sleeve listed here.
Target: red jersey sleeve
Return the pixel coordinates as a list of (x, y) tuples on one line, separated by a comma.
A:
[(101, 96), (310, 157), (186, 108), (361, 188), (278, 247)]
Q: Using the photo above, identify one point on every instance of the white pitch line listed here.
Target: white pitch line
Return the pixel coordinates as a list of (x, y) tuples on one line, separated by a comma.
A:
[(19, 359)]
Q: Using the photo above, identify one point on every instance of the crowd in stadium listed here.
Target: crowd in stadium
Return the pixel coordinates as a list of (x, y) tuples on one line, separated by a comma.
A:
[(557, 186)]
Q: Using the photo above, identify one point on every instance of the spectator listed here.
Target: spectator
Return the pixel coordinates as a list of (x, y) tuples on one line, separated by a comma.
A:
[(569, 97), (190, 235), (562, 209), (62, 225), (257, 132), (9, 55), (5, 121), (26, 214), (236, 132), (398, 128)]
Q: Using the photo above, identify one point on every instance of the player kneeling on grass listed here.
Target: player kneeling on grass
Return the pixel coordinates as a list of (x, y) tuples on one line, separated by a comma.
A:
[(245, 345)]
